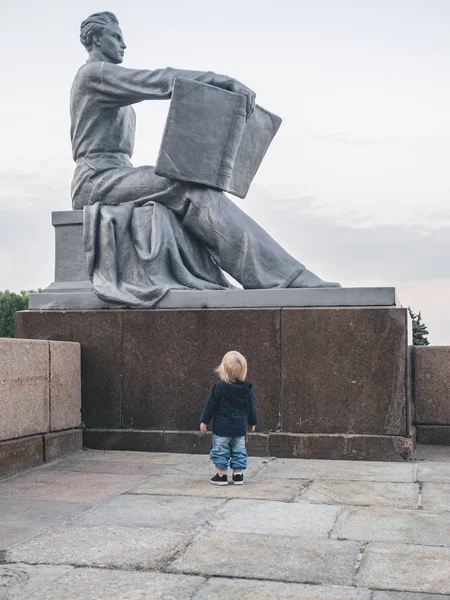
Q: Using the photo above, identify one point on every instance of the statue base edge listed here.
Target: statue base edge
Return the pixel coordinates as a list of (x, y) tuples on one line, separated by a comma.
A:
[(78, 296)]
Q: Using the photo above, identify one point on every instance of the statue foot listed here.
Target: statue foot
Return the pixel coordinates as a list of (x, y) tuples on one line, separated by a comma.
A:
[(306, 279)]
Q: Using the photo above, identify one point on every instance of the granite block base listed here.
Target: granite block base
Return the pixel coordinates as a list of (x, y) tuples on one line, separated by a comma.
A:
[(62, 443), (280, 445), (317, 372), (437, 435), (20, 455), (25, 453)]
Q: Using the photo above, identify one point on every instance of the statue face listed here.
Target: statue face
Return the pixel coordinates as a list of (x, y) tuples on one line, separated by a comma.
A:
[(111, 44)]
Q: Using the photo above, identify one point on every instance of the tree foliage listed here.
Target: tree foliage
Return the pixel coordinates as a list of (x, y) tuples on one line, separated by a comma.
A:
[(10, 303), (420, 331)]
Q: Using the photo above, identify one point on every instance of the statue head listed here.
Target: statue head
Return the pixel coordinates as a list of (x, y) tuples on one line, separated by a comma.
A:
[(102, 37)]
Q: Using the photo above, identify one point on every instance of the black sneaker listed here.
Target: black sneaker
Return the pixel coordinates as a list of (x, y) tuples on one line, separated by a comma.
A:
[(219, 479), (238, 478)]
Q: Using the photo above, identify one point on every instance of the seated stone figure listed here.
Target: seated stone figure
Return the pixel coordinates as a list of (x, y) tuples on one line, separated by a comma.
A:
[(103, 125)]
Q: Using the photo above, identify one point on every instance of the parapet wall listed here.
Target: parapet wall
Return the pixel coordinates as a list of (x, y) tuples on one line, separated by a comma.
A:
[(40, 400), (432, 393)]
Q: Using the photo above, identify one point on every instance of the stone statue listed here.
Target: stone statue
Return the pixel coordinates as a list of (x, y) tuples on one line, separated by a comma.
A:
[(200, 227)]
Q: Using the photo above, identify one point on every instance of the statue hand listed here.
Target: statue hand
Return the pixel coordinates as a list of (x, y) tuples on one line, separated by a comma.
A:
[(239, 88)]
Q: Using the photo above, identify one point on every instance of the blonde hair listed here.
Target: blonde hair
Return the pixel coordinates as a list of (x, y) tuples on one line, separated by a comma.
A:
[(233, 367)]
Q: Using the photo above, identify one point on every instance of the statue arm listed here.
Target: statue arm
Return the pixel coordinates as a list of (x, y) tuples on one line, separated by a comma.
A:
[(116, 86)]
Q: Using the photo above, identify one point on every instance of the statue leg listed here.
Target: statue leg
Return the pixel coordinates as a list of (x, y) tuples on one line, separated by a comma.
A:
[(236, 242)]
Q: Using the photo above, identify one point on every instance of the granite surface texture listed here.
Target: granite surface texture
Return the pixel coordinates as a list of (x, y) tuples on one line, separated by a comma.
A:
[(344, 371), (432, 385), (336, 377), (24, 387)]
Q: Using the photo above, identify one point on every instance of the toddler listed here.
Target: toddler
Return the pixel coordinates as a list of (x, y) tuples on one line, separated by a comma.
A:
[(232, 405)]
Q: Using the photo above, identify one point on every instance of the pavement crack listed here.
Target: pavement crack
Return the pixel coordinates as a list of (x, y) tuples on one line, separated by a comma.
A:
[(303, 491), (358, 561), (420, 497), (338, 514)]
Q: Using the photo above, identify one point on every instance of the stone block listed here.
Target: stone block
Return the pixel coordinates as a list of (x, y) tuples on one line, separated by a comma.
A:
[(80, 584), (381, 493), (67, 486), (24, 387), (435, 472), (258, 444), (19, 581), (224, 589), (127, 548), (432, 385), (310, 521), (22, 519), (341, 447), (344, 370), (436, 496), (406, 567), (438, 435), (169, 359), (393, 525), (57, 445), (190, 442), (343, 470), (19, 455), (270, 557), (170, 484), (99, 333), (178, 513), (65, 385)]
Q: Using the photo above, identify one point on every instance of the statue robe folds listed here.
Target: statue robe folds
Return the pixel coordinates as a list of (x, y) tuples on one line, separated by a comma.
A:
[(134, 217)]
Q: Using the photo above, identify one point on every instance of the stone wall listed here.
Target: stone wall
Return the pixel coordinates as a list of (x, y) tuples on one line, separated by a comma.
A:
[(40, 400), (432, 393)]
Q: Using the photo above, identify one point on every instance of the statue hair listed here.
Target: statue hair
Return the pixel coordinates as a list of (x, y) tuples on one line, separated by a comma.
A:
[(94, 25)]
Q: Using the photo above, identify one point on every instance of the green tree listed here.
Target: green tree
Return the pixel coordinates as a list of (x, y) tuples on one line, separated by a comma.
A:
[(420, 331), (10, 303)]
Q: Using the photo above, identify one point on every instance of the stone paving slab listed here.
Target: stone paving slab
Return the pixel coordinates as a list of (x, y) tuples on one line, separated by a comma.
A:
[(19, 581), (377, 595), (22, 519), (160, 458), (436, 496), (203, 466), (345, 470), (433, 453), (270, 557), (431, 471), (406, 567), (224, 589), (87, 584), (393, 525), (182, 484), (364, 493), (67, 486), (168, 512), (121, 547), (115, 467), (310, 521)]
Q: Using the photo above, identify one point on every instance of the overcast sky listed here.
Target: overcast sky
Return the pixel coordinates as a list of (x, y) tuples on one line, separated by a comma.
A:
[(357, 182)]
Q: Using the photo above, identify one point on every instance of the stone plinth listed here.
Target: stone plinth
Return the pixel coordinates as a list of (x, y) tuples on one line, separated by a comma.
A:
[(39, 392), (24, 387), (320, 374), (432, 393)]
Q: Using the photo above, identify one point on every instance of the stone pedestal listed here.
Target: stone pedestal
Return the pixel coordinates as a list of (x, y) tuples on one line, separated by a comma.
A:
[(329, 382)]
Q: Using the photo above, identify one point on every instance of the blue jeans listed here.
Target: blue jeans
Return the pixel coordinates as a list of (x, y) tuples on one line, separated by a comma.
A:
[(229, 450)]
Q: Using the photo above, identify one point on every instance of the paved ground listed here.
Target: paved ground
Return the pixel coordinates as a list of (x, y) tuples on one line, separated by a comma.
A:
[(124, 525)]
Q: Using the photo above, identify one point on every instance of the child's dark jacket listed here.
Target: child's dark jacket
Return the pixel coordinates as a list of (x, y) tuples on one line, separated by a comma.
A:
[(233, 407)]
